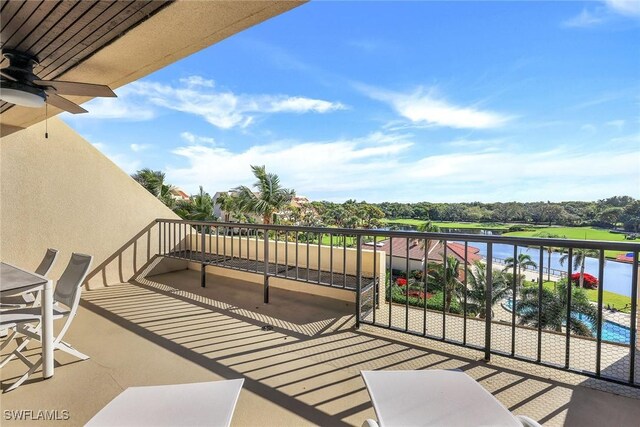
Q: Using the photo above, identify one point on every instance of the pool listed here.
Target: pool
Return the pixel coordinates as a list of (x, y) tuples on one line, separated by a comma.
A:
[(611, 331)]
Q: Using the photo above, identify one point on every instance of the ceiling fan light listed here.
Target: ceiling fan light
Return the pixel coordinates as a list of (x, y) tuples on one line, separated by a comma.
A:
[(20, 97)]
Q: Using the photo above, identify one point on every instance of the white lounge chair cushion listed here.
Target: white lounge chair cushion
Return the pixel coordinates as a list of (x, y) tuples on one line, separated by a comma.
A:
[(433, 398), (199, 404)]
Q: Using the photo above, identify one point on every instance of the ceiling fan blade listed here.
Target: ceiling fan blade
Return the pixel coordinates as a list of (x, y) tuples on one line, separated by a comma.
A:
[(7, 76), (64, 104), (77, 88)]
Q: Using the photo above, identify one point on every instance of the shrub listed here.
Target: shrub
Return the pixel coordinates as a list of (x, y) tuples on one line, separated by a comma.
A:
[(398, 273), (590, 281), (416, 299), (416, 274), (519, 228)]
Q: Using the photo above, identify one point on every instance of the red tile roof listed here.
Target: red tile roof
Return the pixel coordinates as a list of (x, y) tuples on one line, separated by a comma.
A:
[(416, 251)]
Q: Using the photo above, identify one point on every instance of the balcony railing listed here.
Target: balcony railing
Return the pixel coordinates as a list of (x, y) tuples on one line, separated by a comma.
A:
[(431, 285)]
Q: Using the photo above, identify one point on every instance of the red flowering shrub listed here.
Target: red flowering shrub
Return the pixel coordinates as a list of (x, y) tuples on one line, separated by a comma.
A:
[(401, 281), (590, 281)]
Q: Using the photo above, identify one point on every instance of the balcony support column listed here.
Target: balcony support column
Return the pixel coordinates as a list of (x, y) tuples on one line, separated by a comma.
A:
[(266, 266), (488, 306), (358, 277)]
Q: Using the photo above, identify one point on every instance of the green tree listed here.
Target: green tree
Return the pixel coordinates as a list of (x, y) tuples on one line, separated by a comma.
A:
[(153, 182), (447, 277), (228, 204), (631, 216), (428, 227), (550, 249), (477, 288), (197, 208), (553, 311), (521, 261), (270, 199), (579, 260), (611, 216)]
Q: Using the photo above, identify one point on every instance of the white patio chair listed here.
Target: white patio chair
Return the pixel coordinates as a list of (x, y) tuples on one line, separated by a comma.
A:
[(26, 321), (31, 298)]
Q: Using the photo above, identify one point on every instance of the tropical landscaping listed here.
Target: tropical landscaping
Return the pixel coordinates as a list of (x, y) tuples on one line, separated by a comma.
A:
[(268, 201), (614, 219), (445, 291)]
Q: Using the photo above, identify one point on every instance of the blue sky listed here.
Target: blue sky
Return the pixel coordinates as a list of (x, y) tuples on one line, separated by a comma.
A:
[(412, 101)]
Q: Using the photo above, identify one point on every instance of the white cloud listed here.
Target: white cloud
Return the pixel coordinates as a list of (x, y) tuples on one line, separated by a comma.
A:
[(424, 107), (302, 105), (334, 167), (139, 147), (196, 95), (192, 81), (625, 7), (606, 11), (482, 145), (400, 170), (588, 128), (197, 139), (225, 109)]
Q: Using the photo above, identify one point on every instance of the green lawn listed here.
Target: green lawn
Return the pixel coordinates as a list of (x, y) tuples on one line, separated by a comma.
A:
[(337, 240), (580, 233), (620, 302), (445, 224), (577, 233)]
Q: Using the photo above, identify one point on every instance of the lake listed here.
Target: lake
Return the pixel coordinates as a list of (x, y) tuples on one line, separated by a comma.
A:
[(617, 275)]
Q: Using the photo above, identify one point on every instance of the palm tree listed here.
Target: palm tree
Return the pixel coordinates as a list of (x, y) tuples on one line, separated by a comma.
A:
[(553, 311), (197, 208), (523, 260), (227, 204), (428, 227), (271, 197), (153, 182), (202, 206), (476, 288), (579, 260), (446, 275), (550, 249)]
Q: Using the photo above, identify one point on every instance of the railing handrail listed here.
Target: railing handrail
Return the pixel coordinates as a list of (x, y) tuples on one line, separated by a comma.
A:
[(508, 240)]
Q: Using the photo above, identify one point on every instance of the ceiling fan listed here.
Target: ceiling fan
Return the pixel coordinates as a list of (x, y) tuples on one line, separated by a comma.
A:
[(20, 86)]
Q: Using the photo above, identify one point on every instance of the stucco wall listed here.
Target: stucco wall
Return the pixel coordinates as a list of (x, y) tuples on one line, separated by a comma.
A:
[(63, 193)]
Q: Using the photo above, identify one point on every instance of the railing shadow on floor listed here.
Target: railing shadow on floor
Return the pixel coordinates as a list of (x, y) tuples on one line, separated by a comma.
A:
[(129, 260), (309, 362)]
